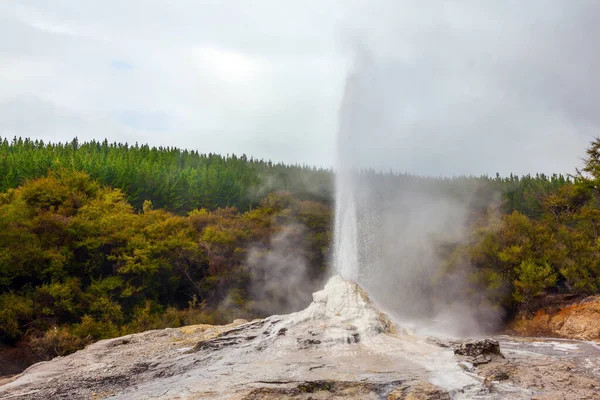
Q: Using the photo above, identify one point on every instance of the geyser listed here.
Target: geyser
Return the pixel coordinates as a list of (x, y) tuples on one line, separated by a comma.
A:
[(389, 228), (346, 247), (345, 231)]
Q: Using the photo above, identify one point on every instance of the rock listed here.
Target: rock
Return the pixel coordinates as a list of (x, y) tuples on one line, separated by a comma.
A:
[(580, 321), (474, 348), (546, 375), (571, 319), (354, 338), (419, 391), (321, 389), (478, 352), (307, 343)]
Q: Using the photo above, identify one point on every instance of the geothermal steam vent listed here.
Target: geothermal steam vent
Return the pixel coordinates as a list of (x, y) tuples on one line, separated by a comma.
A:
[(341, 313)]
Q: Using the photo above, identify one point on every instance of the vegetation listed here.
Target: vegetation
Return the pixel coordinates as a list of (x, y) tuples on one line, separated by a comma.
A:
[(77, 263), (99, 239), (553, 248), (181, 180), (174, 180)]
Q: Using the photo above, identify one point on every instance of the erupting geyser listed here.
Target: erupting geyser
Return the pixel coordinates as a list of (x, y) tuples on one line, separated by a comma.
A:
[(389, 229), (345, 234), (345, 258)]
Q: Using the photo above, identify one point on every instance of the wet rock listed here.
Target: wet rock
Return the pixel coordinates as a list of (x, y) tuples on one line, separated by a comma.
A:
[(478, 352), (216, 344), (419, 391), (444, 343), (545, 375), (355, 338), (244, 328), (321, 389), (307, 343), (140, 366), (474, 348)]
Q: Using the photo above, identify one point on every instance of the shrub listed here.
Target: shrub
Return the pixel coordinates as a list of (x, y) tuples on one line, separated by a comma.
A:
[(532, 280), (14, 311), (57, 341)]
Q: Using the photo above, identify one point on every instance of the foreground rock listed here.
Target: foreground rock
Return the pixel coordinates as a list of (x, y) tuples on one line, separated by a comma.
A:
[(419, 391), (575, 319), (478, 352), (545, 369), (341, 346)]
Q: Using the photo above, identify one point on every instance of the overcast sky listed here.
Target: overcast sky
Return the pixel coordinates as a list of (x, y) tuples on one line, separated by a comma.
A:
[(470, 86)]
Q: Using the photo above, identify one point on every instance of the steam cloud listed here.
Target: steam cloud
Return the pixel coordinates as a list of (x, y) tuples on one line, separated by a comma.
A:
[(281, 281)]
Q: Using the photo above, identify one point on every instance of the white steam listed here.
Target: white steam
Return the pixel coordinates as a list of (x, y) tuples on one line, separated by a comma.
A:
[(280, 278), (389, 229)]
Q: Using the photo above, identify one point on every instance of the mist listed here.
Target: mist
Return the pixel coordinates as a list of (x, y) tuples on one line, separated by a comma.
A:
[(280, 278)]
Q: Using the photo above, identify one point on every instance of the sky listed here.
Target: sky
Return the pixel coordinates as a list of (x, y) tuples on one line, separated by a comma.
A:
[(462, 87)]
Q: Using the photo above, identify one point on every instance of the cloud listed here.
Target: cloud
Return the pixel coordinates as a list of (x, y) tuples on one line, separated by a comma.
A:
[(148, 121), (476, 86), (464, 87), (213, 76), (120, 64)]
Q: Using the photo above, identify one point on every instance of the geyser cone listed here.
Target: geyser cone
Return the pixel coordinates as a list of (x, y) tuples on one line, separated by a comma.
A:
[(340, 307)]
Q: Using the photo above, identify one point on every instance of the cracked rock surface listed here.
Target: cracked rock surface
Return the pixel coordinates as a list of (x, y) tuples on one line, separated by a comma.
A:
[(341, 346)]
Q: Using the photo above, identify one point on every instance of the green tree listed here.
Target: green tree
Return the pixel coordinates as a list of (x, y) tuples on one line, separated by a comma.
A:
[(532, 280)]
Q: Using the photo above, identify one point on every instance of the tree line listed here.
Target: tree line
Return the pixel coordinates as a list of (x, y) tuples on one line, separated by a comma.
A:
[(176, 180), (180, 180)]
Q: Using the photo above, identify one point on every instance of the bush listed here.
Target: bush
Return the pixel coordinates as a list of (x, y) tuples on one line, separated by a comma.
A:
[(57, 341), (89, 328), (14, 311), (532, 280)]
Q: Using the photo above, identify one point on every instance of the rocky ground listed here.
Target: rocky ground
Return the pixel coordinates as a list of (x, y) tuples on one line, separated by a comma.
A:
[(561, 317), (341, 346)]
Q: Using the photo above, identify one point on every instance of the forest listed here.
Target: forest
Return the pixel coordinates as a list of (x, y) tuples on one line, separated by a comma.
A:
[(102, 239)]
